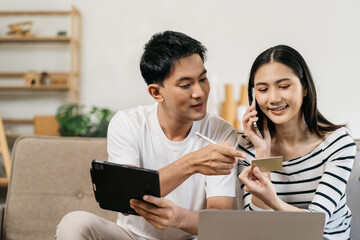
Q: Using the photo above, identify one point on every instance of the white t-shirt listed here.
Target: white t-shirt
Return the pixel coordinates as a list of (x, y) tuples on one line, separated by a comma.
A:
[(135, 137)]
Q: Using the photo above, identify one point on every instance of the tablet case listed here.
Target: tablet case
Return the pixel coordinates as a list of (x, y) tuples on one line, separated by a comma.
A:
[(114, 185)]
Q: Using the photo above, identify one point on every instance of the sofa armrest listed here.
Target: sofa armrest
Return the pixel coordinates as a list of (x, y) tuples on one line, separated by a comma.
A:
[(353, 192)]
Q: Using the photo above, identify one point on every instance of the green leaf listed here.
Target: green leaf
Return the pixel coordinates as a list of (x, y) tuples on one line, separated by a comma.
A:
[(74, 121)]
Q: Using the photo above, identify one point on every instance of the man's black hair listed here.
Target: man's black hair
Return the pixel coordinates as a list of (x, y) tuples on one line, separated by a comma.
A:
[(163, 50)]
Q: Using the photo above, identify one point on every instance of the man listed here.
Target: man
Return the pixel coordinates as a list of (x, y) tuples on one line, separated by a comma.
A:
[(162, 137)]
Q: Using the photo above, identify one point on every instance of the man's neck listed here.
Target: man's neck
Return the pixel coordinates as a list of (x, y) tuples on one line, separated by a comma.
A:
[(175, 129)]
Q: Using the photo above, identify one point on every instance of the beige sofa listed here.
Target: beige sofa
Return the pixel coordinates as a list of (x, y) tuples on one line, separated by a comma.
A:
[(50, 177)]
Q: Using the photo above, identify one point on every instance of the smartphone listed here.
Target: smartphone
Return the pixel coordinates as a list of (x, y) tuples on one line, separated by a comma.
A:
[(255, 124)]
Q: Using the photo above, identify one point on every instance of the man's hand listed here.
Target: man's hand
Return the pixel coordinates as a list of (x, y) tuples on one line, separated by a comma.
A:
[(215, 159), (163, 214)]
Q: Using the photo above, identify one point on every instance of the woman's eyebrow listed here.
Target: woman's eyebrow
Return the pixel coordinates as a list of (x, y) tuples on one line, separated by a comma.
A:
[(277, 81)]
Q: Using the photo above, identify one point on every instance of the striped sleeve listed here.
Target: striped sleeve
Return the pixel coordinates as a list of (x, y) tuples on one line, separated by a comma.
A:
[(340, 155), (249, 152)]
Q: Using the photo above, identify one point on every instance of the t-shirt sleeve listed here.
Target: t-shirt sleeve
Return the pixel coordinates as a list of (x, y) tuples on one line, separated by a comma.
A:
[(122, 138), (223, 185)]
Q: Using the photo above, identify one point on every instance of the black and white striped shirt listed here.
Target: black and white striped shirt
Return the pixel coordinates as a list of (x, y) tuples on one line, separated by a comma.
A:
[(316, 182)]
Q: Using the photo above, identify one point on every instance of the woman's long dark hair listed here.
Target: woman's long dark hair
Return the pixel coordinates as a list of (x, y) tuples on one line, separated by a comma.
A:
[(316, 122)]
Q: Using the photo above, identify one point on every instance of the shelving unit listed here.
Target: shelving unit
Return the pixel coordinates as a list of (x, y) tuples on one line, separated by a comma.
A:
[(8, 39), (75, 45), (73, 39)]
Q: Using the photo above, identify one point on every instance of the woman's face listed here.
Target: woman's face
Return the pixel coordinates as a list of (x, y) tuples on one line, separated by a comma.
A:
[(279, 93)]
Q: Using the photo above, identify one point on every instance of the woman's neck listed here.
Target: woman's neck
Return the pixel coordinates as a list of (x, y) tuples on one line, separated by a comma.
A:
[(293, 140), (292, 132)]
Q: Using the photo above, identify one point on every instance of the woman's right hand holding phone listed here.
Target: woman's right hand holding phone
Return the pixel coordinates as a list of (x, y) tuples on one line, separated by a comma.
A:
[(262, 144)]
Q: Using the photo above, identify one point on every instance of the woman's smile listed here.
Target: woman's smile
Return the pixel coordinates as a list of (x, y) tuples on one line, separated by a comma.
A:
[(279, 110)]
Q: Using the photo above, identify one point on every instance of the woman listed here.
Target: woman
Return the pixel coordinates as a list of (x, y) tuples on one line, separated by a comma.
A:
[(318, 155)]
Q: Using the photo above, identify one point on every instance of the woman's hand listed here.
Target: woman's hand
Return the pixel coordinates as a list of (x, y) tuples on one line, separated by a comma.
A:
[(259, 185), (262, 145)]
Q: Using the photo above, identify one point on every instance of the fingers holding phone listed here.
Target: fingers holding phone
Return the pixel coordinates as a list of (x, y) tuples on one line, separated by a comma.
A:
[(261, 142)]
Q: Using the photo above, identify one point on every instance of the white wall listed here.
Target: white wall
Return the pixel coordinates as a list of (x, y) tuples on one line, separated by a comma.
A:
[(325, 32)]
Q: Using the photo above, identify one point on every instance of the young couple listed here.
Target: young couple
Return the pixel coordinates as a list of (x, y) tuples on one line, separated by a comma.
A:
[(194, 174)]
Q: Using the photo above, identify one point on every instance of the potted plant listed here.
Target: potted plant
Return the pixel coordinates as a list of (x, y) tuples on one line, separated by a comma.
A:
[(74, 121)]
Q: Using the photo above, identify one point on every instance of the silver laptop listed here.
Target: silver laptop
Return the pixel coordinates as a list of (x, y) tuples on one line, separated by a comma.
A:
[(247, 225)]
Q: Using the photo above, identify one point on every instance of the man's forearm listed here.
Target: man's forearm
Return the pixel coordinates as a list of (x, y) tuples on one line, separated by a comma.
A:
[(174, 175)]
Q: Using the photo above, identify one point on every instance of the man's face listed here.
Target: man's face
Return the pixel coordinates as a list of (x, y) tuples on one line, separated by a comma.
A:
[(186, 89)]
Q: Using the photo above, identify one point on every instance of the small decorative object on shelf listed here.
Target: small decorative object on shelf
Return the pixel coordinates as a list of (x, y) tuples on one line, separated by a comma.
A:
[(22, 29), (45, 78), (32, 79), (59, 79), (35, 79), (61, 33)]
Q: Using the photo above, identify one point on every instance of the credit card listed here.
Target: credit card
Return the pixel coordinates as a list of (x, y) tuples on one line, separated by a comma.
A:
[(268, 164)]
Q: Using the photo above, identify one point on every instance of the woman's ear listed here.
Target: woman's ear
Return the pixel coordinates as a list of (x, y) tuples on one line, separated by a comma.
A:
[(305, 92), (154, 91)]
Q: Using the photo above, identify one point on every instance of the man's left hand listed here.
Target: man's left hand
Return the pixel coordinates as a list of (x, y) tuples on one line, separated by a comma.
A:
[(159, 212)]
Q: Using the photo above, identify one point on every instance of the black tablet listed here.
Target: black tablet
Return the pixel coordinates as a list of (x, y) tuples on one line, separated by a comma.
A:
[(115, 184)]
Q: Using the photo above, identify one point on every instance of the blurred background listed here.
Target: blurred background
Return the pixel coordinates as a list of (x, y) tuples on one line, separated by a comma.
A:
[(113, 34)]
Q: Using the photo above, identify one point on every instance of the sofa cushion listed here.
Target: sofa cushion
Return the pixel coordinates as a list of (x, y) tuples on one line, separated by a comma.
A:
[(50, 177)]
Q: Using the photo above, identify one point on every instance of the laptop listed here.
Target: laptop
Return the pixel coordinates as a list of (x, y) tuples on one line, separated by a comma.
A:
[(248, 225)]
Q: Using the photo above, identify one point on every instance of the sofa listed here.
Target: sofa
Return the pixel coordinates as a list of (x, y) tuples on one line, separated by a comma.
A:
[(50, 177)]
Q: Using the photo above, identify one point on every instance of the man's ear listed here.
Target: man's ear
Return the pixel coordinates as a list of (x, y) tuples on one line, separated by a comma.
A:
[(154, 91)]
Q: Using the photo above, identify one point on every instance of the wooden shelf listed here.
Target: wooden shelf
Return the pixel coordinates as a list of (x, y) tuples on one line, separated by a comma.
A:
[(19, 13), (13, 83), (9, 39), (18, 121), (21, 74), (12, 74), (34, 88)]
